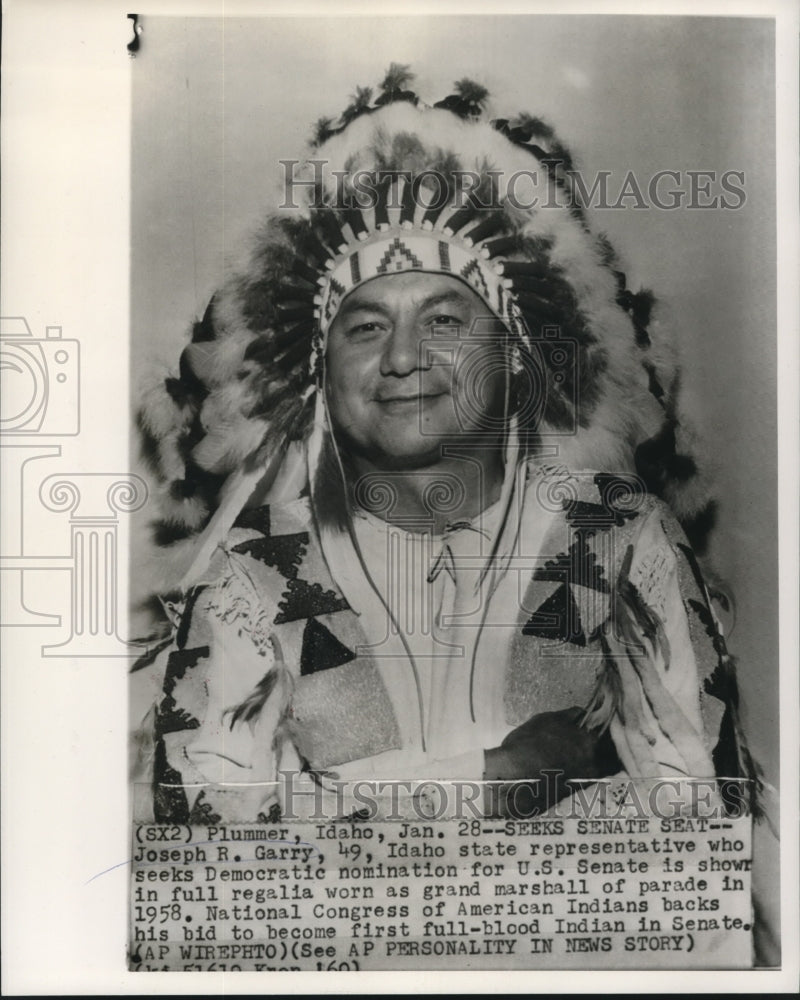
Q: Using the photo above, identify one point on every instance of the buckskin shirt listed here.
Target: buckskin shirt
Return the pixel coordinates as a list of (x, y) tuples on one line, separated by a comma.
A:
[(276, 663)]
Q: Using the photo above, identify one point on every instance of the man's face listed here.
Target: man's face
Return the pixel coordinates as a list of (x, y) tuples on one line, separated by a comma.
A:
[(414, 361)]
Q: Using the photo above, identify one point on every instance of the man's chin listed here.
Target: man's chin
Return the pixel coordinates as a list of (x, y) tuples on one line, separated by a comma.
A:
[(424, 455), (404, 451)]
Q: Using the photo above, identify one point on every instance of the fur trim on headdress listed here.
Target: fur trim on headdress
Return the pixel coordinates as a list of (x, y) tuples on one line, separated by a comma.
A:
[(245, 388)]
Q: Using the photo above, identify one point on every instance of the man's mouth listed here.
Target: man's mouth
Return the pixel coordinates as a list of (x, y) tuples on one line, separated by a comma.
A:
[(413, 397)]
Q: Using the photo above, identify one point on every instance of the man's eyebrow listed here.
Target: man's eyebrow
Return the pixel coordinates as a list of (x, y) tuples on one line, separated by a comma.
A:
[(452, 295), (368, 305)]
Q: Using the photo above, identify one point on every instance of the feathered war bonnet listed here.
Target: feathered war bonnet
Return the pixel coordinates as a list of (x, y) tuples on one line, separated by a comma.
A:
[(393, 185)]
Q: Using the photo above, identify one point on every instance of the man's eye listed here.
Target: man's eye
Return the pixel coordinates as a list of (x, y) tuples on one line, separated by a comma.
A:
[(369, 327), (445, 319)]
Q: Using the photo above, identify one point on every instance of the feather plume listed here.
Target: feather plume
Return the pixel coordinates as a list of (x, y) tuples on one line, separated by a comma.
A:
[(398, 77), (359, 103), (323, 130), (472, 93)]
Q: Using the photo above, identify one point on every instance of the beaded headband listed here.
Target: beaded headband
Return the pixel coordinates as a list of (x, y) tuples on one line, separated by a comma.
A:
[(386, 241)]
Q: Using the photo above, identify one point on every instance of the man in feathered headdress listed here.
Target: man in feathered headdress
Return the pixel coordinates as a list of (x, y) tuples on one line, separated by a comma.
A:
[(410, 475)]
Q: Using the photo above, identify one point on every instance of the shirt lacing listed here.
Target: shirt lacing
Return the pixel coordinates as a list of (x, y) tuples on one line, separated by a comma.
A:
[(445, 559)]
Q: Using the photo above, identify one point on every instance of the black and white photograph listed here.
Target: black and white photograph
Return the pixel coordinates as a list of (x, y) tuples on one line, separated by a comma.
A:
[(399, 522)]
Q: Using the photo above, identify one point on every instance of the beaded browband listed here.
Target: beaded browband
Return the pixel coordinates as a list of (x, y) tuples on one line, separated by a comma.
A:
[(386, 240)]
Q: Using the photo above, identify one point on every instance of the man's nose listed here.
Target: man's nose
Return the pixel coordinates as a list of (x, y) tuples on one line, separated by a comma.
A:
[(404, 349)]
